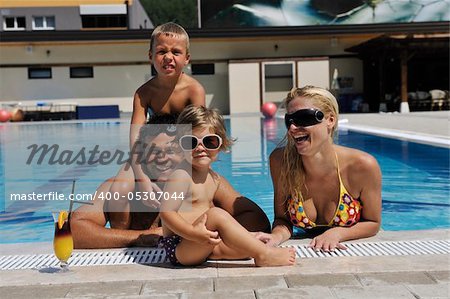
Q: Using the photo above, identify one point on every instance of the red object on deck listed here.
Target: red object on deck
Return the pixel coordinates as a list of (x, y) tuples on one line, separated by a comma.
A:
[(269, 109)]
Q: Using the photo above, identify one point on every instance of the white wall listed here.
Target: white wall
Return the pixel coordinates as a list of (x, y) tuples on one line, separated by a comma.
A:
[(290, 46), (244, 82), (125, 68), (216, 88), (118, 82), (313, 72)]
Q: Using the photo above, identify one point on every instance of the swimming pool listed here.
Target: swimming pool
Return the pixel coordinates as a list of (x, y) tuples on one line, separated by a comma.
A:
[(415, 176)]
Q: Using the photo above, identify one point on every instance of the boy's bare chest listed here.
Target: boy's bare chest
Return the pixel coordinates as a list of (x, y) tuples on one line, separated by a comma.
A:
[(174, 102)]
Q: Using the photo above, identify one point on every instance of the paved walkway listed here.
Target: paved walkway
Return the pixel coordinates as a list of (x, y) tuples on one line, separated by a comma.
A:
[(423, 127), (409, 276), (435, 123), (414, 276)]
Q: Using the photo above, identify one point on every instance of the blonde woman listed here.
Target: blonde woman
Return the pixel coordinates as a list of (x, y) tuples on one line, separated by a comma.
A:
[(319, 186)]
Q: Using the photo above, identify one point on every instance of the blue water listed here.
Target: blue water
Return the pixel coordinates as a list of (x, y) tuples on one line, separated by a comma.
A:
[(416, 177)]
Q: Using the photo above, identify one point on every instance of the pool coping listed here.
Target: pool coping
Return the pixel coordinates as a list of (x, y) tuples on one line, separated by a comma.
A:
[(314, 266), (435, 140)]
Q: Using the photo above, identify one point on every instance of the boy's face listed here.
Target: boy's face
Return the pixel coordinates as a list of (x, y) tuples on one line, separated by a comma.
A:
[(169, 55)]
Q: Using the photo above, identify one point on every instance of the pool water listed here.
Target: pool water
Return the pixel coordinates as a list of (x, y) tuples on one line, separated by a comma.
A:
[(415, 191)]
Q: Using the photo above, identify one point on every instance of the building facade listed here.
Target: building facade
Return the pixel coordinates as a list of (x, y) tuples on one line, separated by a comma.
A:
[(240, 68), (31, 15)]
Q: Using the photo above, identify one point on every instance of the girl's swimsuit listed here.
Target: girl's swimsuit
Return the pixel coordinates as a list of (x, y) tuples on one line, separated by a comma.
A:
[(169, 244), (348, 211)]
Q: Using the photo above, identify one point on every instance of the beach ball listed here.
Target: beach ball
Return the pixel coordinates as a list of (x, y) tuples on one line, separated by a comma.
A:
[(269, 109), (17, 115), (4, 116)]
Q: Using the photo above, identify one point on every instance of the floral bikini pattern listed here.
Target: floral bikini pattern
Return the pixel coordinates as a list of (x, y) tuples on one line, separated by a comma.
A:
[(348, 211)]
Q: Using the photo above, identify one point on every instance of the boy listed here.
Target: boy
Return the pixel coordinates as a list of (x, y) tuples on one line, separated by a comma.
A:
[(169, 92)]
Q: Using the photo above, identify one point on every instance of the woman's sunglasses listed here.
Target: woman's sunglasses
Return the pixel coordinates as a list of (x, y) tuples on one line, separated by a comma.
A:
[(210, 142), (303, 118)]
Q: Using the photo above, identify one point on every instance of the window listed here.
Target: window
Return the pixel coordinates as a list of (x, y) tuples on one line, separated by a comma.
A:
[(203, 69), (40, 73), (82, 72), (104, 21), (14, 23), (44, 23)]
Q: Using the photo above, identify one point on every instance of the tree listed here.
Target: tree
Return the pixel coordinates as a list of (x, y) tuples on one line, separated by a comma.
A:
[(182, 12)]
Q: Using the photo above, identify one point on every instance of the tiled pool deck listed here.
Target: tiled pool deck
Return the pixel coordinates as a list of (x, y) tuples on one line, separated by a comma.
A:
[(409, 276)]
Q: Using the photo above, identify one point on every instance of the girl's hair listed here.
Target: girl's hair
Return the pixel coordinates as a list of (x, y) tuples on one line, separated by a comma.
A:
[(292, 177), (201, 117), (169, 29)]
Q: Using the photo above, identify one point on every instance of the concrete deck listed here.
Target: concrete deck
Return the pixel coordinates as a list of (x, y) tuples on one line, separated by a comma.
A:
[(422, 127), (419, 276)]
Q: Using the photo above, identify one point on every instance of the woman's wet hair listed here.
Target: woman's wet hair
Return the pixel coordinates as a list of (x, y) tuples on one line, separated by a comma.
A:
[(201, 117)]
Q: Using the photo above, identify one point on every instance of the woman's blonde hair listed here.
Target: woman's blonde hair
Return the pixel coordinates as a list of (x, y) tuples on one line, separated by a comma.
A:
[(292, 177), (169, 29), (201, 117)]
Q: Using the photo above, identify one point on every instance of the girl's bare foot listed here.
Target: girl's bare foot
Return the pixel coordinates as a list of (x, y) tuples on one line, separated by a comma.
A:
[(274, 256)]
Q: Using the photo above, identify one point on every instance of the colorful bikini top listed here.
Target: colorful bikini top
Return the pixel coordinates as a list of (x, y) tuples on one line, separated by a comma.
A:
[(348, 211)]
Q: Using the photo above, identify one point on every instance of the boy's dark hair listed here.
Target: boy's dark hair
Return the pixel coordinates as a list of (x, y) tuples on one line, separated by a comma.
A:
[(157, 124)]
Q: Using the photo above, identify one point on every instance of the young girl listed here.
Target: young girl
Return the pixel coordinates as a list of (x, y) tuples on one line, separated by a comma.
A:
[(192, 227)]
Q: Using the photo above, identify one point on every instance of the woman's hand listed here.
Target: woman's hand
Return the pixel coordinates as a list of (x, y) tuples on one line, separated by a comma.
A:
[(268, 239), (204, 236), (328, 241)]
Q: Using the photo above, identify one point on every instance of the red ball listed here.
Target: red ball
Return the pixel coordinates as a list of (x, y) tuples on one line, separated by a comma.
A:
[(4, 115), (269, 109)]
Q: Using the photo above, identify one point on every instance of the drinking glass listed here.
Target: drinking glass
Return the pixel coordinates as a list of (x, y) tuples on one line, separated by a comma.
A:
[(62, 242)]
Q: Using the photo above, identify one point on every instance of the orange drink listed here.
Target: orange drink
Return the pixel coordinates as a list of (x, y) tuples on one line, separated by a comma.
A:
[(62, 242)]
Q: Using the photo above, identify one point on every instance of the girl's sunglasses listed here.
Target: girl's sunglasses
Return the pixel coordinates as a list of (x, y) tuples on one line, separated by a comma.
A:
[(303, 118), (210, 142)]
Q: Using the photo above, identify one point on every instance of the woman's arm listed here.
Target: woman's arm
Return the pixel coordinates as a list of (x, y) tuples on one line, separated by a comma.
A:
[(366, 173), (282, 227)]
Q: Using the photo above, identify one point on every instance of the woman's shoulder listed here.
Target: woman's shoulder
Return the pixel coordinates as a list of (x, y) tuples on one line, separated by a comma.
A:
[(356, 160), (276, 154)]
